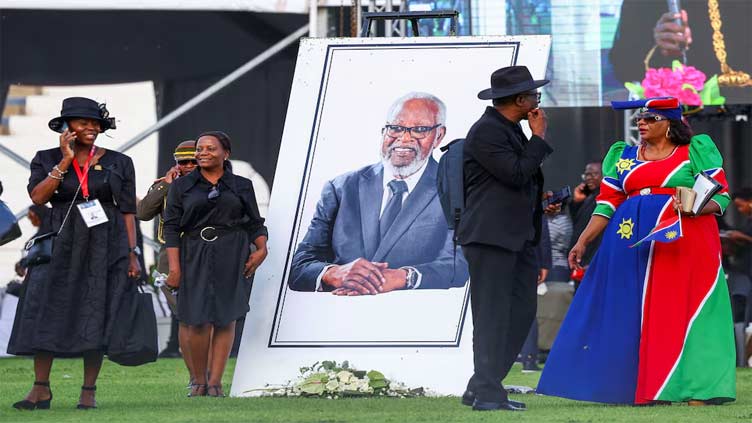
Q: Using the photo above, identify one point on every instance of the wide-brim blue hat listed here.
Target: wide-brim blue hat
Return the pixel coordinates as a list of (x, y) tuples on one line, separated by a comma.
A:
[(82, 107), (665, 106), (509, 81)]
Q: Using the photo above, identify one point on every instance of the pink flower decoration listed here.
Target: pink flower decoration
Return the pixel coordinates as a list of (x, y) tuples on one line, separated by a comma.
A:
[(660, 82), (689, 97), (693, 77), (665, 82)]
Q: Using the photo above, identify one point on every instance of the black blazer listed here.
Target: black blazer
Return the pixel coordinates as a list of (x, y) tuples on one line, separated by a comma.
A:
[(503, 184)]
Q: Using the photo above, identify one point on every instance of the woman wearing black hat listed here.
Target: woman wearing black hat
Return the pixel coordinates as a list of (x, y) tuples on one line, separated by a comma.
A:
[(93, 198), (211, 222)]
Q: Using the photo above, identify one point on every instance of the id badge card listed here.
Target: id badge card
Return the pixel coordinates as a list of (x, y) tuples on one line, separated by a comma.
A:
[(92, 213)]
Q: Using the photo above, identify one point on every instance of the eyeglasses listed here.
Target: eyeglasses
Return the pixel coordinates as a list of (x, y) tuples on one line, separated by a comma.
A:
[(417, 132), (536, 94), (213, 194), (589, 175), (648, 118), (187, 161)]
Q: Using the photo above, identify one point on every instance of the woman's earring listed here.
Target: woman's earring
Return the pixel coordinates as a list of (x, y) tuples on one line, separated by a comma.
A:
[(668, 132)]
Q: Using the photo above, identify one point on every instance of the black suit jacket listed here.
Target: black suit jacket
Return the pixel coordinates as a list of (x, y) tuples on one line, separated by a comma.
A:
[(581, 213), (503, 184)]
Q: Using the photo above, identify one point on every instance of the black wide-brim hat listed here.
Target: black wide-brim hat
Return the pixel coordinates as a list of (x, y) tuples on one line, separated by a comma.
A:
[(82, 107), (509, 81)]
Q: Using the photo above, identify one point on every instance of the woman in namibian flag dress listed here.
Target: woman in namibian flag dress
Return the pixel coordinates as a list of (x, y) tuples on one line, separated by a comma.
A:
[(650, 323)]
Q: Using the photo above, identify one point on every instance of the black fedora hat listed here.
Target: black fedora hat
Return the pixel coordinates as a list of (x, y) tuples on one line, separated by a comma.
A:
[(510, 80), (82, 107)]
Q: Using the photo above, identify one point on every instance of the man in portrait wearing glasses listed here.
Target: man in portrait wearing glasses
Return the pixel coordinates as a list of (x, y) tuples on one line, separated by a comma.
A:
[(152, 205), (500, 227), (381, 228)]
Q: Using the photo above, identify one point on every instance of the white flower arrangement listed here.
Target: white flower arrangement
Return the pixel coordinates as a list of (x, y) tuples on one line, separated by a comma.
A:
[(328, 379)]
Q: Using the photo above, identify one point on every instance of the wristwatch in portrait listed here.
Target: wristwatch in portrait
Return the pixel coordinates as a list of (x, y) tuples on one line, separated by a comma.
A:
[(411, 278), (135, 250)]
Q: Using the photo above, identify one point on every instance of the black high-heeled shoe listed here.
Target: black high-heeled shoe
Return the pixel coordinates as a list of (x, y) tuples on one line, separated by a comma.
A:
[(84, 406), (197, 390), (217, 391), (39, 405)]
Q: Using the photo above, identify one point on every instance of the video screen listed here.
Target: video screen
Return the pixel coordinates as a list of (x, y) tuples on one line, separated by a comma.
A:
[(440, 27), (605, 50)]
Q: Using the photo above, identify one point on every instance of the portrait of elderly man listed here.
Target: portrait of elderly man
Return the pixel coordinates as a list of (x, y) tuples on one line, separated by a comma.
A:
[(381, 228)]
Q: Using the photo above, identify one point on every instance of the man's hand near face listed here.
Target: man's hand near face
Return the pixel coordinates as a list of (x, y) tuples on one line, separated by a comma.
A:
[(171, 174), (580, 193)]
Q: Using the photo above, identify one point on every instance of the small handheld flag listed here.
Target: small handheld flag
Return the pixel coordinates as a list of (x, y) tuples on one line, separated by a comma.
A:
[(667, 231)]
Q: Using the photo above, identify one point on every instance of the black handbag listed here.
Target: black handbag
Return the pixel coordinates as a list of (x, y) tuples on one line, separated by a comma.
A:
[(133, 341), (9, 229), (38, 250)]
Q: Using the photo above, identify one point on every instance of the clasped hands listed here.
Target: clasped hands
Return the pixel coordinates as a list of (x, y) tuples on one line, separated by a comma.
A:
[(364, 277)]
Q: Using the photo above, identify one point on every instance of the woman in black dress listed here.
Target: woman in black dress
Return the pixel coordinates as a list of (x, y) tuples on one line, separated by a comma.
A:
[(211, 221), (69, 304)]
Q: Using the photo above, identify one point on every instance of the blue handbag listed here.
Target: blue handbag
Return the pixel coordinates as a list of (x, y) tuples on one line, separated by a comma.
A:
[(9, 229)]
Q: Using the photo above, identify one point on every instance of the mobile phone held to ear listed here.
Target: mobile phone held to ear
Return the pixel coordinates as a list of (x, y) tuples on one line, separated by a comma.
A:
[(558, 197), (65, 128)]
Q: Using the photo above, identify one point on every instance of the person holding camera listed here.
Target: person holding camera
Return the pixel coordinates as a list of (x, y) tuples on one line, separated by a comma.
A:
[(211, 222), (651, 321), (70, 311)]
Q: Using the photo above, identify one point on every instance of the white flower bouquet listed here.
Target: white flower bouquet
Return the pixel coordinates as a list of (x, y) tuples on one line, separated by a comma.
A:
[(327, 379)]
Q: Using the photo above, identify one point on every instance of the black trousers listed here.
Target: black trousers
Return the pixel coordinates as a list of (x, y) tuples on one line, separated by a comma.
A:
[(503, 300)]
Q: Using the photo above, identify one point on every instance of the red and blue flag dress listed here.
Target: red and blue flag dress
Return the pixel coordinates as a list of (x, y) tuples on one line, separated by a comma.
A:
[(653, 322)]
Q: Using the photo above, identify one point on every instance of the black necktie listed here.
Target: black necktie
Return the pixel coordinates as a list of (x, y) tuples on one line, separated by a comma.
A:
[(393, 206)]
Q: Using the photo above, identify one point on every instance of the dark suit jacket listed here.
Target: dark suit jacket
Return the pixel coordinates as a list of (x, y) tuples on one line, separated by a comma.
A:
[(543, 250), (152, 205), (581, 214), (503, 184), (345, 227)]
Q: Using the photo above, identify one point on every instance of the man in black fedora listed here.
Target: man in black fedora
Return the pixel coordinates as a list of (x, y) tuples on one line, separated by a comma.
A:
[(499, 228)]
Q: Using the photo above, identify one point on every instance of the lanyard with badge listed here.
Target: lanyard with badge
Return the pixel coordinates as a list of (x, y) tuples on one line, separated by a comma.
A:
[(91, 211)]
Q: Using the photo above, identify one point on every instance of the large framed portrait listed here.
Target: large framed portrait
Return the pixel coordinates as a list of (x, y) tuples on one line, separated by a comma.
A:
[(361, 256)]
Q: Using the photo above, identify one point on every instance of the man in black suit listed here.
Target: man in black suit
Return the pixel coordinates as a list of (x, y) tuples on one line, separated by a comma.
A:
[(582, 207), (500, 228)]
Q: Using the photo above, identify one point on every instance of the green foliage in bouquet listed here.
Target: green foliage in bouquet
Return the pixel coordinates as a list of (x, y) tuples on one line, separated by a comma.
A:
[(328, 379)]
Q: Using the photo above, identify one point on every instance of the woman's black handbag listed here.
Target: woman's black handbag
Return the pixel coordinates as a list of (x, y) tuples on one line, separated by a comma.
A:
[(134, 332), (38, 250), (9, 229)]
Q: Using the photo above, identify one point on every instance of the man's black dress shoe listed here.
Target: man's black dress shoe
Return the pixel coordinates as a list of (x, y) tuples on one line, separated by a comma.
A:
[(169, 353), (492, 405), (468, 398)]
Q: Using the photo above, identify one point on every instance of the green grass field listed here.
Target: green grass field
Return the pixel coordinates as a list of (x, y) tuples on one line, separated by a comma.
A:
[(156, 393)]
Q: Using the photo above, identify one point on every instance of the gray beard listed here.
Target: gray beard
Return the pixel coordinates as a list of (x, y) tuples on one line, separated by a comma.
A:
[(403, 172)]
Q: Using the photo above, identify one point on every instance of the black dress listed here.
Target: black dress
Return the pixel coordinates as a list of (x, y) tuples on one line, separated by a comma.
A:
[(214, 237), (68, 304)]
